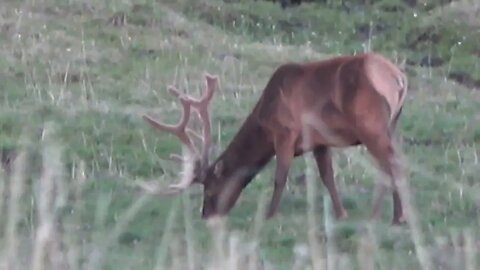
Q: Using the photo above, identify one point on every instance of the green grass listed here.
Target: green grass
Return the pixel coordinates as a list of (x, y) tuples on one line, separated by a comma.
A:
[(92, 68)]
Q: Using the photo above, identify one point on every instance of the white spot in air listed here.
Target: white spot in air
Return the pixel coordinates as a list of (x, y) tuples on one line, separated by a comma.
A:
[(459, 43), (415, 14), (69, 49)]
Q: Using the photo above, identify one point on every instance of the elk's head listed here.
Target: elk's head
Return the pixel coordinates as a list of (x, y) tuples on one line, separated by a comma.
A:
[(196, 166)]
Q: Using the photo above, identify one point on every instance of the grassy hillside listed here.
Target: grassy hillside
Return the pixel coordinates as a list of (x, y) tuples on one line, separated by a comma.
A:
[(76, 77)]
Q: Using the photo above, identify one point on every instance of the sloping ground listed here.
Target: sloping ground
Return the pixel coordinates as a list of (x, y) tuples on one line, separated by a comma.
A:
[(445, 38), (92, 68), (461, 52)]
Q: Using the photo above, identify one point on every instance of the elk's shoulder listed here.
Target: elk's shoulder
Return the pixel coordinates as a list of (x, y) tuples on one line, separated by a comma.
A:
[(277, 91)]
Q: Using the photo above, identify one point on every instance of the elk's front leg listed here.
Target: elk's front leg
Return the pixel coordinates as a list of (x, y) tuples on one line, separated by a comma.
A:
[(323, 158), (284, 151)]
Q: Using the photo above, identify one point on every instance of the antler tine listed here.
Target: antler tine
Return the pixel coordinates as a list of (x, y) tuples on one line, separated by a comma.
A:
[(201, 106), (184, 134), (210, 85), (174, 91), (179, 129), (186, 180)]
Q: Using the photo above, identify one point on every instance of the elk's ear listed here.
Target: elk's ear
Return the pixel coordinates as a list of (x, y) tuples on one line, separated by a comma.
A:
[(218, 170)]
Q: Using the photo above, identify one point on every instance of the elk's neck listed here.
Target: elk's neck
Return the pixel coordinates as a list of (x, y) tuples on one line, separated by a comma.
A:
[(247, 153)]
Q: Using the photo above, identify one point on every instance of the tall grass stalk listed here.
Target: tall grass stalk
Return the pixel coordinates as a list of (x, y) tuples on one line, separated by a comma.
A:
[(316, 253), (15, 194), (97, 256), (48, 193), (167, 237), (189, 230)]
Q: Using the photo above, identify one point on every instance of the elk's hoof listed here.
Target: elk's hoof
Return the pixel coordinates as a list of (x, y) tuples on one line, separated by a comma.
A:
[(270, 214), (401, 220), (342, 215)]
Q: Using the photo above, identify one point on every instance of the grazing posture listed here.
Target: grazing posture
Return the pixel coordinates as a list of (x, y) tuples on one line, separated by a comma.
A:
[(339, 102)]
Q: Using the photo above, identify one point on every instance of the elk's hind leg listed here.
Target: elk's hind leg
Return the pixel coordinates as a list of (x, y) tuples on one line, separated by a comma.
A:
[(323, 157), (381, 146), (397, 204), (284, 151), (368, 111), (376, 134)]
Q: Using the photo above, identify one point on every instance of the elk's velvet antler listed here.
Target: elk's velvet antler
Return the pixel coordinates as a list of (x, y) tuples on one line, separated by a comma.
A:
[(197, 158)]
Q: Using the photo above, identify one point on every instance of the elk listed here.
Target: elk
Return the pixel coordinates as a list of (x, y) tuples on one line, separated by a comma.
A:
[(315, 106)]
